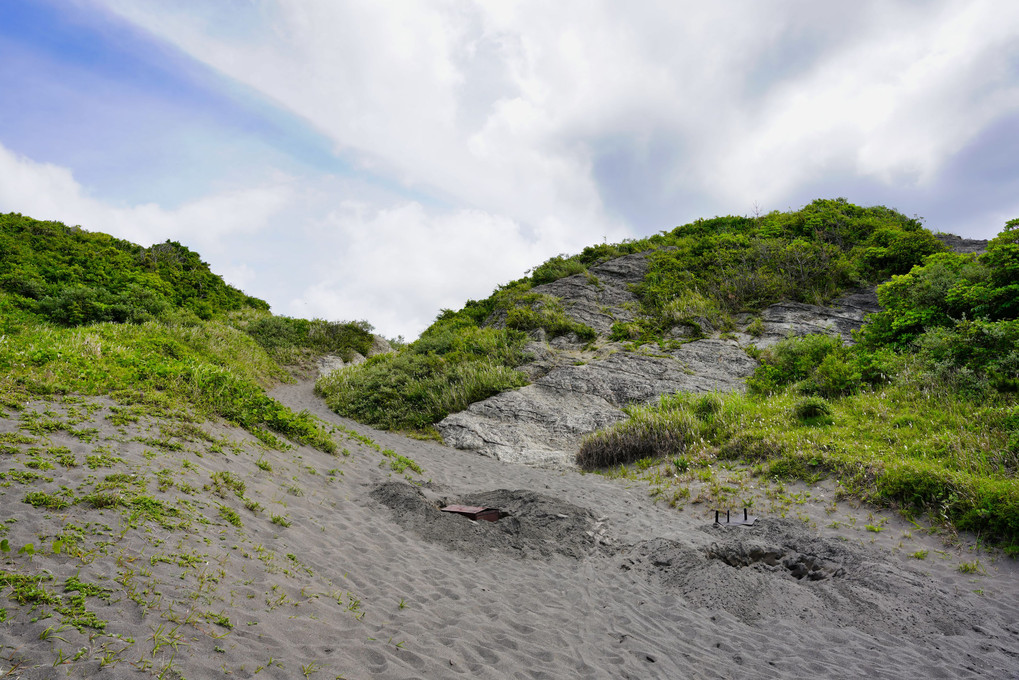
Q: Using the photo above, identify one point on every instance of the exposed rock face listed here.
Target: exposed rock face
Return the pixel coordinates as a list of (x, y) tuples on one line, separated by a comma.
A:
[(604, 297), (576, 390), (963, 245), (543, 423), (795, 318)]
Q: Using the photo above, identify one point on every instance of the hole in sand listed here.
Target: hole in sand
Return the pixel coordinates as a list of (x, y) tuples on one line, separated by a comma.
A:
[(773, 558)]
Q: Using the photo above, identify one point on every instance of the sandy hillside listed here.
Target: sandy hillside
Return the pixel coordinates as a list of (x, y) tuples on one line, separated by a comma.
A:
[(192, 550)]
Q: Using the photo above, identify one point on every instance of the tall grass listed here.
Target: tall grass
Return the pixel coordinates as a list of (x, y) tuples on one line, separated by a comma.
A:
[(204, 366), (650, 432), (930, 450)]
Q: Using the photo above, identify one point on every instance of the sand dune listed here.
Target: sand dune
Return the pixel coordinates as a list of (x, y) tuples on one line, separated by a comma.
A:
[(586, 578)]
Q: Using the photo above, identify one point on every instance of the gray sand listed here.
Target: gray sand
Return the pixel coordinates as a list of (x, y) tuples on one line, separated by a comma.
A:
[(585, 577)]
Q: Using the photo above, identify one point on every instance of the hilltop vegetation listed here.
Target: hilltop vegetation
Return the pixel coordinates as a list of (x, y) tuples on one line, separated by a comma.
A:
[(84, 312), (708, 269), (920, 412), (73, 277)]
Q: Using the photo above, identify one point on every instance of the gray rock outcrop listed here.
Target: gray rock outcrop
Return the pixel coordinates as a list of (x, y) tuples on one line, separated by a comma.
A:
[(543, 423), (577, 389), (603, 296)]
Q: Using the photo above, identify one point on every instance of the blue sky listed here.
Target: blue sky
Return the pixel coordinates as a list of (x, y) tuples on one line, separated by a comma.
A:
[(382, 161)]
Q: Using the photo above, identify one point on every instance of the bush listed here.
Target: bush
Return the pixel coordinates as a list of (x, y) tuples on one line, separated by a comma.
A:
[(795, 359), (706, 406), (834, 377), (649, 433), (556, 268), (812, 410)]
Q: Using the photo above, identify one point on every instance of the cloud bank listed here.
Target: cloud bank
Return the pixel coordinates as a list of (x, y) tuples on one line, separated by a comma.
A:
[(474, 140)]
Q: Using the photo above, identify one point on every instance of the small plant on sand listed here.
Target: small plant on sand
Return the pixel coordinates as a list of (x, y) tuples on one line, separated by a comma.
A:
[(919, 555), (224, 482), (230, 515), (280, 520)]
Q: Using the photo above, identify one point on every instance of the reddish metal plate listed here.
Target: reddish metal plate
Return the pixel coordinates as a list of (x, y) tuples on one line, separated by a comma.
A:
[(474, 512)]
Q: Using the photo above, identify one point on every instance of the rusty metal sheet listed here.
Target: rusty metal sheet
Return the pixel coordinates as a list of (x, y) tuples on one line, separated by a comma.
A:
[(475, 512)]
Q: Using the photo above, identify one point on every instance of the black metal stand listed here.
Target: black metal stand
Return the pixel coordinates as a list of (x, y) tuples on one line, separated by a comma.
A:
[(745, 521)]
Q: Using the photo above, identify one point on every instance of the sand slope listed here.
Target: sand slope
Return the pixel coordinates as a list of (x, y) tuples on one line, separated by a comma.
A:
[(587, 578)]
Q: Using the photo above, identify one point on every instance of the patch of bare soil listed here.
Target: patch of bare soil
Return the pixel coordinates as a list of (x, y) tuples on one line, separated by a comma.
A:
[(534, 525)]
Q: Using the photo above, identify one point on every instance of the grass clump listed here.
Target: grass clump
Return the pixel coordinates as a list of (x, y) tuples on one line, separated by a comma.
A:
[(813, 411), (230, 515), (447, 369), (650, 432)]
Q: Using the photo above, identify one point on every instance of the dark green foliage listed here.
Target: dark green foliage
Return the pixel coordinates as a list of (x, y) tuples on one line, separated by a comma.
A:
[(1002, 259), (285, 338), (820, 361), (650, 433), (453, 364), (73, 277), (812, 410), (947, 290)]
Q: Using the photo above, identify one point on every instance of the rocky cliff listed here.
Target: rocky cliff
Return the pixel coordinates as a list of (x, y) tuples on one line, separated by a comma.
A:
[(578, 387)]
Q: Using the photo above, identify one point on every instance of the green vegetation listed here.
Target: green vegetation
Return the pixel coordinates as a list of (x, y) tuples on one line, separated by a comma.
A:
[(291, 341), (700, 275), (922, 412), (72, 277), (452, 364), (152, 327), (705, 271)]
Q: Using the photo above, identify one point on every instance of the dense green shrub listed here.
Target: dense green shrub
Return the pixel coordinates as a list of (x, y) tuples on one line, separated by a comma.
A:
[(286, 338), (449, 367), (812, 410), (648, 433), (797, 359), (73, 277)]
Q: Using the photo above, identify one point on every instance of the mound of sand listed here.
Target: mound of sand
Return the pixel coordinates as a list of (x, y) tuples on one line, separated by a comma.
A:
[(343, 567)]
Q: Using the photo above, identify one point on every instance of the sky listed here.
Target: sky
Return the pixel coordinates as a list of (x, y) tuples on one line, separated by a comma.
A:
[(384, 160)]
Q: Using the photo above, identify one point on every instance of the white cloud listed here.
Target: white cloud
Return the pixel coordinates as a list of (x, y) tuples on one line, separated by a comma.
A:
[(911, 90), (393, 264), (397, 266), (211, 225), (499, 105)]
